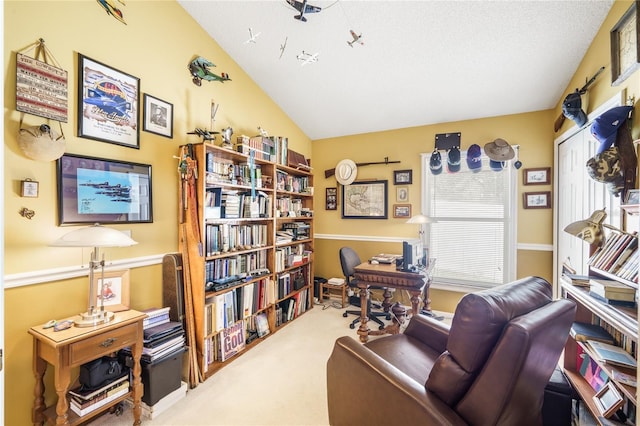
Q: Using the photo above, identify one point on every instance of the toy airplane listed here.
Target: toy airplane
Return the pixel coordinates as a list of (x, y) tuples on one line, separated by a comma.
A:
[(303, 7), (110, 99), (307, 58), (252, 37), (112, 10), (356, 38), (199, 69), (282, 47)]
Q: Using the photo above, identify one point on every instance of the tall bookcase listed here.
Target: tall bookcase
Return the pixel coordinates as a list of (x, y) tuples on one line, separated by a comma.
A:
[(246, 234)]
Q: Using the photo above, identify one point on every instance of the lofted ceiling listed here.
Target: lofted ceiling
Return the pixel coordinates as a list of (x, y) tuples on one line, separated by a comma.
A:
[(422, 62)]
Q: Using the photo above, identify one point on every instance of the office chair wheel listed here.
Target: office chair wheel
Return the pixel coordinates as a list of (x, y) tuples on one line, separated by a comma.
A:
[(381, 327), (345, 314), (352, 326), (388, 318)]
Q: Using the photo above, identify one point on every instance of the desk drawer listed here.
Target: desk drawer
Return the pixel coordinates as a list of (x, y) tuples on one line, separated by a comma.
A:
[(102, 344)]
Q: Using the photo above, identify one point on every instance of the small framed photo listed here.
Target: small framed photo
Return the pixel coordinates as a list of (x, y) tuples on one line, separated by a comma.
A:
[(539, 176), (402, 194), (608, 400), (537, 200), (29, 188), (158, 116), (332, 199), (113, 291), (632, 197), (402, 177), (402, 210), (625, 49)]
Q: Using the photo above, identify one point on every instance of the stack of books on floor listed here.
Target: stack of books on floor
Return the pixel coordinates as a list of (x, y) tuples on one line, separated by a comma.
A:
[(83, 401)]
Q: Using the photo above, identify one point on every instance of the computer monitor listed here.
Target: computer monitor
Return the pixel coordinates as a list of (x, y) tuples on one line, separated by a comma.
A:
[(412, 254)]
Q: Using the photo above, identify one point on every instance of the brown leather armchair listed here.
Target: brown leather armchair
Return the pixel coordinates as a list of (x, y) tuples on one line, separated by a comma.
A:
[(490, 367)]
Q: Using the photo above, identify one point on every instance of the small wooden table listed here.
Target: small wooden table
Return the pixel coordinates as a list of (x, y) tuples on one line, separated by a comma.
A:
[(386, 275), (75, 346)]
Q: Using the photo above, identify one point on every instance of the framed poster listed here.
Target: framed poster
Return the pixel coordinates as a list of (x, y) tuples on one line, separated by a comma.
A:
[(113, 290), (365, 200), (537, 200), (537, 176), (97, 190), (625, 48), (108, 104), (158, 116)]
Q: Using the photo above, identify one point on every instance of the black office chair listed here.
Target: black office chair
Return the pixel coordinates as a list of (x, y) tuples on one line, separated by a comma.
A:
[(349, 259)]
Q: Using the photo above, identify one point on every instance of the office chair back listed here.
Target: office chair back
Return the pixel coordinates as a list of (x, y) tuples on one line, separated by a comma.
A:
[(349, 259)]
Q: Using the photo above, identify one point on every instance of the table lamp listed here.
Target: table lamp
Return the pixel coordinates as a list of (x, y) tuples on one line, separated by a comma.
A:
[(591, 230), (421, 220), (95, 236)]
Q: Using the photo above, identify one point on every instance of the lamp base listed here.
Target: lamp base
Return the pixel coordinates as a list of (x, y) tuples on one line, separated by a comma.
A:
[(88, 319)]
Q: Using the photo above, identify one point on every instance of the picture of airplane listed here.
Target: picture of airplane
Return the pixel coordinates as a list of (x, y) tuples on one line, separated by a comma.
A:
[(356, 38), (282, 47), (307, 58), (252, 37), (199, 69), (303, 7), (110, 102)]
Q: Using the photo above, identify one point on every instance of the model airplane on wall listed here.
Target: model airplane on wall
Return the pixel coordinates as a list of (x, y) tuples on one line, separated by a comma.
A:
[(303, 7), (252, 37), (356, 38), (112, 10), (307, 58), (199, 69)]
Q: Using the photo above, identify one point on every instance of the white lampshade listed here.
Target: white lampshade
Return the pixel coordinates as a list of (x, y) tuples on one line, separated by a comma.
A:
[(94, 236), (420, 218)]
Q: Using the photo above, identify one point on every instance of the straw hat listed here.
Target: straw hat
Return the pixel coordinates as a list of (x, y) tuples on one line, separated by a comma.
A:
[(499, 150), (346, 172)]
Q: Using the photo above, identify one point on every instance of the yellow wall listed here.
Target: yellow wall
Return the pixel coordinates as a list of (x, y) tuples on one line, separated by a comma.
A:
[(156, 45)]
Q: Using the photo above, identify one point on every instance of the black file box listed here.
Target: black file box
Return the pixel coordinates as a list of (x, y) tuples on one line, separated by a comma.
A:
[(162, 376)]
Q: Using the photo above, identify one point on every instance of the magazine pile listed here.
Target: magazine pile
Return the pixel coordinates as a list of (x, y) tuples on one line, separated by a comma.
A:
[(83, 401)]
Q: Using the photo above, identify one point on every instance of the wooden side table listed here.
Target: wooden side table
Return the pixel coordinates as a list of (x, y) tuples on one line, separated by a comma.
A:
[(75, 346)]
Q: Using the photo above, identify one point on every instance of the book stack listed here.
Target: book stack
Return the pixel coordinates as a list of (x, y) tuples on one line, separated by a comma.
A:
[(162, 340), (618, 256), (577, 280), (83, 402), (612, 292), (155, 316)]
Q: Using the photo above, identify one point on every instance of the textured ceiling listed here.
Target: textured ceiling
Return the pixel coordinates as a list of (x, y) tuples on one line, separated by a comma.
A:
[(422, 62)]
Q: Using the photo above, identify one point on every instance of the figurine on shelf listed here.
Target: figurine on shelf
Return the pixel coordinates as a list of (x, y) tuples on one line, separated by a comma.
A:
[(226, 137)]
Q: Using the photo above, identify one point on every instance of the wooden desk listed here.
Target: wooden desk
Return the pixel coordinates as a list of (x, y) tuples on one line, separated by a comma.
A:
[(386, 275), (75, 346)]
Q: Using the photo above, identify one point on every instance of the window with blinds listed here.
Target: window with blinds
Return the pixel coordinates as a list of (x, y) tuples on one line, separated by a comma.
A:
[(473, 234)]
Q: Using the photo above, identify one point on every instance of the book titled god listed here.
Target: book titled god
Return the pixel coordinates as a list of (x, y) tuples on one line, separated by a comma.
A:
[(233, 340)]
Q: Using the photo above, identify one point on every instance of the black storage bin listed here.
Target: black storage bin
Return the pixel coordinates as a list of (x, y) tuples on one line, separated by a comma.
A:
[(558, 396), (161, 377)]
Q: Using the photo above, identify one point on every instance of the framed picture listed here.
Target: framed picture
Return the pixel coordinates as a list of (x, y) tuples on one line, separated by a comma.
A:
[(632, 197), (108, 104), (539, 176), (608, 400), (537, 200), (625, 49), (158, 116), (331, 199), (402, 177), (29, 188), (402, 210), (402, 194), (365, 200), (113, 291), (97, 190)]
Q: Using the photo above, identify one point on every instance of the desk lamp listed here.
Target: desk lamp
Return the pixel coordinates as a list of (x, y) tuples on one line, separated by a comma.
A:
[(421, 220), (591, 230), (95, 236)]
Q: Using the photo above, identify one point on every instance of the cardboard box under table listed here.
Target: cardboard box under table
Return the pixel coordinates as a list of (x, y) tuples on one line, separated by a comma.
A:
[(162, 376)]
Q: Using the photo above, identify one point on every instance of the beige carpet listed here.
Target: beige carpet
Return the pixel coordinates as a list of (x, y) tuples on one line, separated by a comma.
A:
[(279, 382)]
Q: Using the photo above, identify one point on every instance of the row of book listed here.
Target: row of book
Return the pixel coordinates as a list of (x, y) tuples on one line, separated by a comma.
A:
[(262, 147), (293, 255), (618, 256), (234, 205), (224, 309), (290, 183), (292, 307), (228, 172), (289, 207), (234, 265), (223, 238)]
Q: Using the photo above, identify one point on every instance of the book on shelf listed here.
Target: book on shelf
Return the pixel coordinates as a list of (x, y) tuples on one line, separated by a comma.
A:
[(611, 354), (233, 340), (612, 290), (262, 324), (85, 394), (615, 302), (624, 378), (86, 407), (581, 332), (577, 280)]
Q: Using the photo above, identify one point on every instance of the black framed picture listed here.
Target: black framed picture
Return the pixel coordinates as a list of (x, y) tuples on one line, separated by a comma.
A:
[(332, 199), (158, 116), (402, 177), (365, 200), (108, 104), (98, 190)]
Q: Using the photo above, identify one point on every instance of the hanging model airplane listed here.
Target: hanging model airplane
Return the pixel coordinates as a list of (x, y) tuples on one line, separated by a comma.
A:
[(112, 10), (307, 58), (303, 7), (282, 47), (252, 37), (356, 38), (199, 69)]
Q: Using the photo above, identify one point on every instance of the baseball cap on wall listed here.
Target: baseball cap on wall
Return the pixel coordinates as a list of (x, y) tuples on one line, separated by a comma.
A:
[(435, 162), (572, 109), (474, 158), (605, 127), (453, 160)]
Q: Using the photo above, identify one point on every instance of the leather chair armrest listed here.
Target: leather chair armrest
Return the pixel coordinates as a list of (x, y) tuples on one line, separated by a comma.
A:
[(429, 331), (363, 388)]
